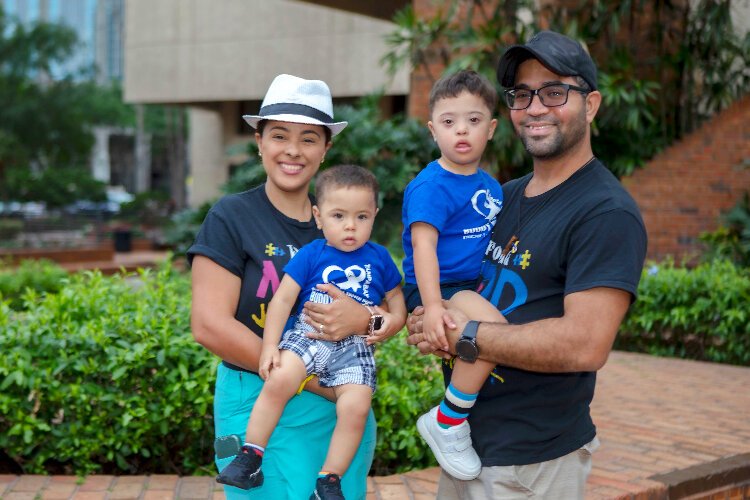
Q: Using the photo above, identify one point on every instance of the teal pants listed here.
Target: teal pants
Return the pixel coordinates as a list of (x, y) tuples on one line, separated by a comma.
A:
[(298, 445)]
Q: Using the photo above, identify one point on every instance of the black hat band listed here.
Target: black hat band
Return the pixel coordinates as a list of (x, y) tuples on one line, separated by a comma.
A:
[(284, 108)]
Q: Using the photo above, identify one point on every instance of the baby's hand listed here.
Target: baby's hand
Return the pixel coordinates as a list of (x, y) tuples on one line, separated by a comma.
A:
[(269, 359), (381, 333), (433, 327)]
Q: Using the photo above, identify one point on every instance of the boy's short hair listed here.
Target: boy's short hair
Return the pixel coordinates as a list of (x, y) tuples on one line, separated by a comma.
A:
[(464, 80), (345, 176)]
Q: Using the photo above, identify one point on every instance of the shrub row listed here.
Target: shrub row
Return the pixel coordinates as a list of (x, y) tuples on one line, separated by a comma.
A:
[(104, 376), (30, 278), (700, 313)]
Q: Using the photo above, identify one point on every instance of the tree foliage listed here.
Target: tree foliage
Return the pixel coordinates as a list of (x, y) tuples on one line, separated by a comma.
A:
[(664, 67)]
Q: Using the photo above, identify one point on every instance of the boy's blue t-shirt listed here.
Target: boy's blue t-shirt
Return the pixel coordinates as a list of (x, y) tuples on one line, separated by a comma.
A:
[(462, 208), (366, 274)]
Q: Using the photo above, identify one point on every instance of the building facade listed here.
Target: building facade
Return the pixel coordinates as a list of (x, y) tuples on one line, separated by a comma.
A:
[(217, 57)]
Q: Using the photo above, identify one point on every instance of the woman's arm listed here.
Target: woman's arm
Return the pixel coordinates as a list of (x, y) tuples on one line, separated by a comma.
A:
[(216, 293)]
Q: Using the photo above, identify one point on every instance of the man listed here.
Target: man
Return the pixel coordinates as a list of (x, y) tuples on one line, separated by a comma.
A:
[(563, 267)]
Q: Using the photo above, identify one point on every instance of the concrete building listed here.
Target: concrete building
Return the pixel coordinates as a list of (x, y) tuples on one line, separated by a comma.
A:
[(217, 57)]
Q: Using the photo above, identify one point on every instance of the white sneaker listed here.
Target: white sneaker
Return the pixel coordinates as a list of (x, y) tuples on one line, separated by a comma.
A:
[(451, 447)]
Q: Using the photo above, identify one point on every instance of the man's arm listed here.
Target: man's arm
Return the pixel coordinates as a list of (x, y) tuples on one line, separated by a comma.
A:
[(580, 340)]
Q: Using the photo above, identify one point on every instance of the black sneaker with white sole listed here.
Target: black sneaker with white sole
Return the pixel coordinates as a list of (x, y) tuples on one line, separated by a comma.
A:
[(328, 488), (244, 471)]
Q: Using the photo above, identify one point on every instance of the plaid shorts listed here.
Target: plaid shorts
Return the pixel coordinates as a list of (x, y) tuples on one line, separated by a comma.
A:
[(347, 361)]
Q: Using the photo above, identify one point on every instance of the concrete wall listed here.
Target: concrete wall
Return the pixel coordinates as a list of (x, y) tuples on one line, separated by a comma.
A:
[(212, 54), (222, 50)]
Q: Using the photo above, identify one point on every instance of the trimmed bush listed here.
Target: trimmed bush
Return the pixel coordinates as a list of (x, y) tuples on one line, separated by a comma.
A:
[(699, 313), (409, 384), (32, 277), (104, 376)]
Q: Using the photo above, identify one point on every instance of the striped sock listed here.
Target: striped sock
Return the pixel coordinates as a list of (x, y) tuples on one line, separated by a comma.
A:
[(259, 450), (454, 409)]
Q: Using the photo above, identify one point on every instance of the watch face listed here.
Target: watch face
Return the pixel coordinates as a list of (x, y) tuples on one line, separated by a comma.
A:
[(467, 350)]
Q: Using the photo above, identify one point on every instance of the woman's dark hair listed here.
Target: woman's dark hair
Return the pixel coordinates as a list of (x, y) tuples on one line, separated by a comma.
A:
[(464, 80), (262, 125), (345, 176)]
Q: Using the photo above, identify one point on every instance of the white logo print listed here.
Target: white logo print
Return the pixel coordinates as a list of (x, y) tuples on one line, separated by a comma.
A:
[(354, 276), (490, 206)]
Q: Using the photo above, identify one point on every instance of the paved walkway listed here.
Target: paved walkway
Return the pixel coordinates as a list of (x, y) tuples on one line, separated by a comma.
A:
[(664, 424)]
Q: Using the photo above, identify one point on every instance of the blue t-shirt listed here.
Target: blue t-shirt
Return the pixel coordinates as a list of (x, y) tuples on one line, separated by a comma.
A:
[(366, 274), (462, 208)]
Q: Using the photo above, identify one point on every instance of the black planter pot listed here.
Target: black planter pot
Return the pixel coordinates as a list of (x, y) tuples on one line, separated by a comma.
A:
[(123, 240)]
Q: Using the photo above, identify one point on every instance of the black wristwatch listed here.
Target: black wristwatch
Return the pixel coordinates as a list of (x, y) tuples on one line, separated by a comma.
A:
[(466, 347)]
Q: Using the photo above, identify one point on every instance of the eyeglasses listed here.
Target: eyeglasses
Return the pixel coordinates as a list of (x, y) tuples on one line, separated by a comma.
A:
[(550, 95)]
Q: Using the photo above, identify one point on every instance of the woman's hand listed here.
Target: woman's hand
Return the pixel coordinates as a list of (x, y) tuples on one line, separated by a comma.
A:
[(338, 319), (269, 359), (417, 337)]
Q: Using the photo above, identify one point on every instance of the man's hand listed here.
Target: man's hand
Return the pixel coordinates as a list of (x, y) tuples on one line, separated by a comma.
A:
[(416, 337)]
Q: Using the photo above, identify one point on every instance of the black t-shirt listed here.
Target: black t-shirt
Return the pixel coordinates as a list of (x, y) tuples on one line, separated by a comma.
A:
[(585, 233), (245, 234)]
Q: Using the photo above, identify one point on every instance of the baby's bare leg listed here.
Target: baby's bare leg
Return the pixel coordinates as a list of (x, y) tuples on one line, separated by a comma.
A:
[(281, 385), (352, 407), (469, 377)]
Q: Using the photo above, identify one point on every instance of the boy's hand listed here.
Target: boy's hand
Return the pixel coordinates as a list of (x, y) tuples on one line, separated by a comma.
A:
[(434, 327), (269, 359)]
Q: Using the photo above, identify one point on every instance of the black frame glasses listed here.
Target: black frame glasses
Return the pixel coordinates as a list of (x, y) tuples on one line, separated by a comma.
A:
[(548, 94)]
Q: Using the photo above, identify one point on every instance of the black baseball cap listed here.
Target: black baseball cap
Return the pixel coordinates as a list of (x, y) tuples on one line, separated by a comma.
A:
[(558, 53)]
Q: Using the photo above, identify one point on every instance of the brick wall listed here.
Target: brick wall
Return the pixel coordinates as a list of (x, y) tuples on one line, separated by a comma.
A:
[(683, 190)]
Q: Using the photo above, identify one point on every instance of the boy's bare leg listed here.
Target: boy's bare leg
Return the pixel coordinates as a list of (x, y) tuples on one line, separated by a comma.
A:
[(281, 385), (469, 377), (352, 407)]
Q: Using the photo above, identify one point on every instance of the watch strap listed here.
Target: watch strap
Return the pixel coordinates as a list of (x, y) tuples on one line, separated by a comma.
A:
[(470, 330)]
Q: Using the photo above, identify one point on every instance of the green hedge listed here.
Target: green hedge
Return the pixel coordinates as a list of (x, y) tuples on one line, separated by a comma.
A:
[(32, 277), (701, 313), (104, 376), (409, 384)]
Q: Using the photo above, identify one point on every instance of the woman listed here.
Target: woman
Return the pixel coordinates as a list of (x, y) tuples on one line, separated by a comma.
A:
[(237, 262)]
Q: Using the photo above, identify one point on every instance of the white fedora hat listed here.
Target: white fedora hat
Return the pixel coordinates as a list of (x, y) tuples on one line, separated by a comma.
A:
[(296, 100)]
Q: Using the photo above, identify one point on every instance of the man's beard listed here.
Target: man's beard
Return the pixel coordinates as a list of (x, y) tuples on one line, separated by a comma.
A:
[(558, 144)]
